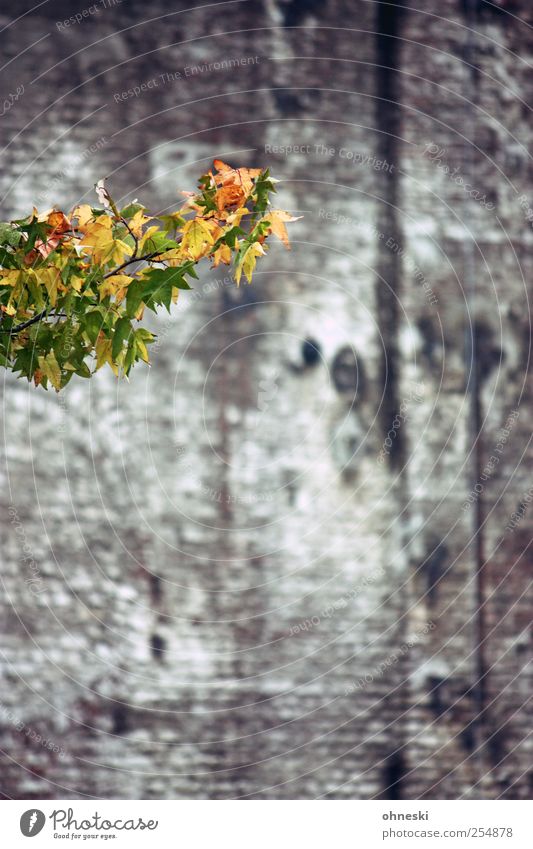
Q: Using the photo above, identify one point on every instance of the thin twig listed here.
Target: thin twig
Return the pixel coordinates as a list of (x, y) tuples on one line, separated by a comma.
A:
[(133, 236)]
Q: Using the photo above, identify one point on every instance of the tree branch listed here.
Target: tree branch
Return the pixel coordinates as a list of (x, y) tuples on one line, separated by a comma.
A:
[(25, 324), (18, 327), (129, 261), (133, 236)]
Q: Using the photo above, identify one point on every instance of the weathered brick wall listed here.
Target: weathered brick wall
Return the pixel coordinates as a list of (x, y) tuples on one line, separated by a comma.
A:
[(214, 587)]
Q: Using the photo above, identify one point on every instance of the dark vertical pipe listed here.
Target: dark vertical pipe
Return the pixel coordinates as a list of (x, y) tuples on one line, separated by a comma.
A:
[(388, 117), (388, 292), (472, 366)]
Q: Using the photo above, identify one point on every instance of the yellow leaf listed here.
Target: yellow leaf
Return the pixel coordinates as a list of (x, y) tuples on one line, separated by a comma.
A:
[(77, 283), (197, 239), (50, 368), (84, 215), (103, 354), (9, 278), (115, 285), (247, 263), (137, 223), (173, 258), (222, 254), (142, 349), (51, 279), (147, 236), (234, 218), (99, 241), (120, 251)]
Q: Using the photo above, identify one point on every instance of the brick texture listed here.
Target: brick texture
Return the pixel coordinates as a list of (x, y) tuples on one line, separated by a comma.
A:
[(219, 579)]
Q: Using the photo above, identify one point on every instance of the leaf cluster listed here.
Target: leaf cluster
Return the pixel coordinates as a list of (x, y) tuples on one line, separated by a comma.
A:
[(74, 287)]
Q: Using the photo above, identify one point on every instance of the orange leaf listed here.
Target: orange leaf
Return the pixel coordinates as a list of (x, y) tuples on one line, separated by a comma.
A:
[(229, 196), (243, 177), (221, 166), (277, 219), (59, 222)]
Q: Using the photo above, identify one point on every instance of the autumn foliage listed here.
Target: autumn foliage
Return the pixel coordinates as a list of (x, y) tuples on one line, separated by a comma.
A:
[(74, 286)]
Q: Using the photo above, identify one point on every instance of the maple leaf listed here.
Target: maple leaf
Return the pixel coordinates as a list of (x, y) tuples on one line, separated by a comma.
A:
[(49, 367), (59, 222), (9, 278), (229, 196), (197, 238), (99, 241), (241, 177), (247, 263), (51, 278), (60, 225), (84, 215), (137, 223), (173, 257), (116, 285), (147, 236), (222, 254), (44, 248), (77, 283), (104, 353), (233, 217), (277, 219)]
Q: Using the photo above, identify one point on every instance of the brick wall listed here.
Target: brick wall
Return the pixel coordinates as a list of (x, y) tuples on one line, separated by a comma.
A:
[(219, 580)]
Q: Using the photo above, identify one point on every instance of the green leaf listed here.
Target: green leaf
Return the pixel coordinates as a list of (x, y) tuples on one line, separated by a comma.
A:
[(26, 361), (8, 260), (93, 325), (67, 376), (164, 276), (144, 334), (123, 329), (159, 284), (131, 209), (34, 230), (63, 341), (134, 297), (129, 359), (172, 221), (36, 292), (83, 370), (157, 243), (9, 235), (231, 236)]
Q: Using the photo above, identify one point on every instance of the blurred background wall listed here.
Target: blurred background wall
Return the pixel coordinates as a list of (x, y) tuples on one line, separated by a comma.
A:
[(279, 563)]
